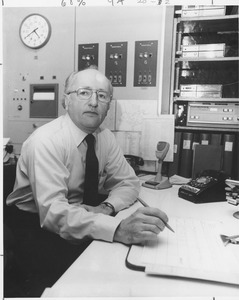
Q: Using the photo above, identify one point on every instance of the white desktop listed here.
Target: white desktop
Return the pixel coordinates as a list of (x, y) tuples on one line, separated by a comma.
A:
[(101, 270)]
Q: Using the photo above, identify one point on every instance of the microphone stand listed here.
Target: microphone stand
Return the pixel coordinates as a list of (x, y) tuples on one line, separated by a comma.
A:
[(160, 182)]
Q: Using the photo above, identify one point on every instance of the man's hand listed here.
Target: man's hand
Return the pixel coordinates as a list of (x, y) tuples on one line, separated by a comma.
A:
[(143, 225)]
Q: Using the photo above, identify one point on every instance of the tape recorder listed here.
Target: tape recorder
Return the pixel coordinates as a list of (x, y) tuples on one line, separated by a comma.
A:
[(207, 114)]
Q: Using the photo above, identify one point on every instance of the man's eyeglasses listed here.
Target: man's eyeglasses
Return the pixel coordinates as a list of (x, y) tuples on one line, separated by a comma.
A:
[(86, 94)]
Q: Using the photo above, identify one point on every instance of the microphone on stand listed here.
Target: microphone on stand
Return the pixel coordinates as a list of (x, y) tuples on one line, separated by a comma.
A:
[(160, 182)]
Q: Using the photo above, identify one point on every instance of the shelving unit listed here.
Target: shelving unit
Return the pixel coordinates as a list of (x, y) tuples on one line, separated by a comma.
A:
[(215, 67)]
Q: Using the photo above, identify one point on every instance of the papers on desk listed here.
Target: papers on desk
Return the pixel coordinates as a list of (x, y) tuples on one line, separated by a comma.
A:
[(194, 251)]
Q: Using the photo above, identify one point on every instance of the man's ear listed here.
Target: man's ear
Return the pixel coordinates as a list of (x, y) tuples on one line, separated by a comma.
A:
[(66, 103)]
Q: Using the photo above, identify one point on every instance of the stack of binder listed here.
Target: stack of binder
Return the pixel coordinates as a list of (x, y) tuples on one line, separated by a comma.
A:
[(184, 152)]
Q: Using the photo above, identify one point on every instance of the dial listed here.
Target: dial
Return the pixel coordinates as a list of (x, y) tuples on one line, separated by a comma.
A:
[(35, 31)]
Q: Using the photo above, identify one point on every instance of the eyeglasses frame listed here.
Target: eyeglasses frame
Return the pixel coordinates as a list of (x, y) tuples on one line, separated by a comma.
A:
[(93, 91)]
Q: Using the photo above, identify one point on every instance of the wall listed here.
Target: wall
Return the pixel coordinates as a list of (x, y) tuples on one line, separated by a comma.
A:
[(23, 66), (107, 24), (73, 26)]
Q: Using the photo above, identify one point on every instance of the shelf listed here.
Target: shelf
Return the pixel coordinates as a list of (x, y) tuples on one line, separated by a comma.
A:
[(197, 59), (209, 18), (214, 57), (216, 129), (222, 70), (217, 24), (176, 99)]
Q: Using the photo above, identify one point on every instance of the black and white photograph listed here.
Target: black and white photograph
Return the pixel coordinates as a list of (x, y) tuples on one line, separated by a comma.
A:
[(120, 132)]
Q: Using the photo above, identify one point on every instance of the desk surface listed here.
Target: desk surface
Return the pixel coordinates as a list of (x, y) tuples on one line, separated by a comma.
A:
[(100, 271)]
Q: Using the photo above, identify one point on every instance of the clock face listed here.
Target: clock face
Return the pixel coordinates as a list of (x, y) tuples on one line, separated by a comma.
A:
[(35, 31)]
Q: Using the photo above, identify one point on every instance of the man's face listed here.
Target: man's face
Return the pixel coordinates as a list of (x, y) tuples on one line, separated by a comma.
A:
[(88, 114)]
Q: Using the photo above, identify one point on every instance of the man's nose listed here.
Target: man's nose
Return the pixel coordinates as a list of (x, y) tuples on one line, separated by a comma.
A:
[(93, 101)]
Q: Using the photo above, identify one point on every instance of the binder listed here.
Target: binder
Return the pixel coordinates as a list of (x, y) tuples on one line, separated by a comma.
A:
[(216, 139), (237, 158), (228, 148), (186, 155), (174, 166), (196, 140), (205, 138), (206, 157)]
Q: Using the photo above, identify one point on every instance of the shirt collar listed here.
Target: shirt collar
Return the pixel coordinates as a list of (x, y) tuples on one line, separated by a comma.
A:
[(77, 133)]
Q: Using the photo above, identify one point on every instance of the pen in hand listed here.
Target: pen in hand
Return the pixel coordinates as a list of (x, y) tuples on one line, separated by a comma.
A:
[(146, 205)]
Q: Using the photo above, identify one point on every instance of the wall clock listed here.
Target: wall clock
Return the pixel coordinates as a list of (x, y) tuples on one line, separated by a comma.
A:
[(35, 31)]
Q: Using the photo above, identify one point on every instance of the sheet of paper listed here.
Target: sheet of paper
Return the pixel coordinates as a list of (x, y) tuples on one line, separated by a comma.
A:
[(157, 129), (195, 245), (195, 250), (131, 113), (129, 142)]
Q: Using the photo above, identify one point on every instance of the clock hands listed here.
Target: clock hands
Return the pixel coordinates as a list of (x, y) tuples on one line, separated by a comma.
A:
[(36, 32), (33, 31)]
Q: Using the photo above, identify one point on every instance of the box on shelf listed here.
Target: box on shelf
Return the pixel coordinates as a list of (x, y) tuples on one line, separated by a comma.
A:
[(201, 87), (203, 50), (200, 94), (203, 54), (201, 90), (213, 115), (189, 11), (202, 7), (204, 47)]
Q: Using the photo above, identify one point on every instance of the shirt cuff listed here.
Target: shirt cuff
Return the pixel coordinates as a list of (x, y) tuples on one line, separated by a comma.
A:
[(104, 228)]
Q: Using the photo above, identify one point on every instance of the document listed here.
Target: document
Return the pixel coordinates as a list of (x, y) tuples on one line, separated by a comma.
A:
[(195, 251)]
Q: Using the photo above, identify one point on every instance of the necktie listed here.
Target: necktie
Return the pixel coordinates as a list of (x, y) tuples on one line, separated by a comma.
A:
[(91, 173)]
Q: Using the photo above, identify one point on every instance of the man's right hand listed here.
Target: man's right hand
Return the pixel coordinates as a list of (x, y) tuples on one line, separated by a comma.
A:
[(143, 225)]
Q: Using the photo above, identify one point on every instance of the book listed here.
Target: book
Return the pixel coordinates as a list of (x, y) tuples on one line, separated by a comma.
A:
[(228, 142), (204, 138), (185, 169), (196, 140), (237, 158), (216, 139), (206, 157), (174, 166)]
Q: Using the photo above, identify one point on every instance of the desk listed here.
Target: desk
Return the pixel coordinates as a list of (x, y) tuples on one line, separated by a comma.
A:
[(100, 271)]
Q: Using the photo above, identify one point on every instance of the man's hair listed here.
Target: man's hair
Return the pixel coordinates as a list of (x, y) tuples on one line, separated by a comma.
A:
[(70, 78)]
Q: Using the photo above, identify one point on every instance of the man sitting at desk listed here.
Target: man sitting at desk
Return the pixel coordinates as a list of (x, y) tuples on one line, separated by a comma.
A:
[(53, 190)]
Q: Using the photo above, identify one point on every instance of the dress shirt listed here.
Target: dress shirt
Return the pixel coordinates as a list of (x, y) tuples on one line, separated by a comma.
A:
[(50, 179)]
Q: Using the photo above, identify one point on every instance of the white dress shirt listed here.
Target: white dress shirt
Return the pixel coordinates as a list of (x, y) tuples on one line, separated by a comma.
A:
[(50, 177)]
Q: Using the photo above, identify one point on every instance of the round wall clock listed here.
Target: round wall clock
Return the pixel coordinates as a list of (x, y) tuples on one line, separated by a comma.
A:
[(35, 31)]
